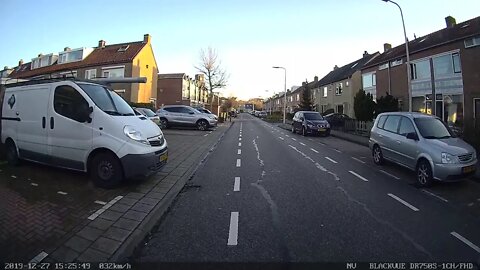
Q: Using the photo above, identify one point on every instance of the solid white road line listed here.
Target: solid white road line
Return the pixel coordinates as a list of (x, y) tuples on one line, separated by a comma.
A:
[(302, 143), (62, 193), (100, 202), (294, 139), (465, 240), (239, 162), (42, 255), (361, 161), (403, 202), (281, 138), (236, 185), (391, 175), (239, 144), (233, 231), (434, 195), (333, 161), (239, 151), (314, 150), (359, 176)]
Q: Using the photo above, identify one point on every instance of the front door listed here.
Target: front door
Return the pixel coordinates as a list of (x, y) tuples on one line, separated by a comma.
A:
[(407, 148), (69, 140)]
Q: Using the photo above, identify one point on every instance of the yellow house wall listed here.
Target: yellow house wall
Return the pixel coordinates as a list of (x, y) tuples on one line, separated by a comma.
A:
[(145, 65)]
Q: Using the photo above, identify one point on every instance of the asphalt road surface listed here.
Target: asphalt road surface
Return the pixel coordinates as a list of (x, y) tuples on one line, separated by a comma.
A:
[(267, 195)]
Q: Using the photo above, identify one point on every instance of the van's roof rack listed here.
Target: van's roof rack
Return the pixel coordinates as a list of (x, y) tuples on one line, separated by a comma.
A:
[(103, 81)]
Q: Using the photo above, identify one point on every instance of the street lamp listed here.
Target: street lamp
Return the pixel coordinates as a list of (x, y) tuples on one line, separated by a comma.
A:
[(409, 81), (285, 93)]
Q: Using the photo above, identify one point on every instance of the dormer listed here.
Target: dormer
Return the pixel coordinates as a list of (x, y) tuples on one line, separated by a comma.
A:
[(73, 55), (43, 60)]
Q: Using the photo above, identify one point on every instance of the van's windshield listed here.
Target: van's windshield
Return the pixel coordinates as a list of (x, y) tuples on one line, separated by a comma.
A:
[(432, 128), (107, 100)]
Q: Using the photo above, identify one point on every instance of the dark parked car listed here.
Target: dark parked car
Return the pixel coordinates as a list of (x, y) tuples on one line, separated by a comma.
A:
[(337, 119), (307, 122)]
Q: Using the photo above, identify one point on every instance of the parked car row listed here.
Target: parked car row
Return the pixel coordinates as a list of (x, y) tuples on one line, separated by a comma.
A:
[(182, 115), (260, 114)]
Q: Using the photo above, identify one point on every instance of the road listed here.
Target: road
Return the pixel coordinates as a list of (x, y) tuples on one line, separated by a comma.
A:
[(267, 195)]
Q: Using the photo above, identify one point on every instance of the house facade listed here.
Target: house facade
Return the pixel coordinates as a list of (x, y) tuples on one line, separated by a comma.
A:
[(179, 88), (336, 91), (445, 74), (133, 59)]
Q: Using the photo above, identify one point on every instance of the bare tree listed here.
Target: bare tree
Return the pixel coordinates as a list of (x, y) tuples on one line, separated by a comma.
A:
[(210, 66)]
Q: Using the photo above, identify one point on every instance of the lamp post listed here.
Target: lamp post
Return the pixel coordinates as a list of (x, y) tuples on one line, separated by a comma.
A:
[(409, 81), (284, 93)]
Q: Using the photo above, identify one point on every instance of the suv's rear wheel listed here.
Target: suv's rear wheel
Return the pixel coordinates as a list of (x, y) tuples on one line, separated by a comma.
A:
[(163, 123), (202, 125), (12, 154), (106, 170), (377, 155), (424, 173)]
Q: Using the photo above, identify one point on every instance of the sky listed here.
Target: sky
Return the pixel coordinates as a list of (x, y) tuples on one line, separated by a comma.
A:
[(307, 37)]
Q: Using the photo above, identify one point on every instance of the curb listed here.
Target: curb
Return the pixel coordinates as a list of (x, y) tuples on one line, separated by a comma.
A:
[(350, 140), (127, 249)]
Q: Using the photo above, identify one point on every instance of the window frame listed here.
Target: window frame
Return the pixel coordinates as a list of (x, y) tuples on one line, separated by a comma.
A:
[(76, 109), (459, 63), (398, 124), (380, 126), (87, 72)]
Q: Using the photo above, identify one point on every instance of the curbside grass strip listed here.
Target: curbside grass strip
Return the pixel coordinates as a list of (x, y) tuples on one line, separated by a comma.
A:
[(127, 248)]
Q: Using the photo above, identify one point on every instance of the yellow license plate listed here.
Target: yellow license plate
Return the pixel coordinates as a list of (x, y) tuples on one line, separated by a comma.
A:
[(321, 129), (468, 169), (163, 157)]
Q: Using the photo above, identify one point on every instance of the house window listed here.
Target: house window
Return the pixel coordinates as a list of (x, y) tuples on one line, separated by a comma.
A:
[(421, 70), (90, 74), (113, 72), (72, 73), (384, 66), (298, 97), (446, 65), (472, 42), (369, 80), (347, 83), (340, 108), (339, 89), (71, 56), (324, 108), (396, 63), (456, 63), (325, 91)]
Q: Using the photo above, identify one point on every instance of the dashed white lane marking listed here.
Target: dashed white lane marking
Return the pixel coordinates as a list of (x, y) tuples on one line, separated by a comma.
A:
[(302, 143), (359, 176), (337, 150), (281, 138), (105, 207), (239, 151), (236, 185), (333, 161), (62, 193), (434, 195), (205, 135), (13, 176), (287, 136), (100, 202), (361, 161), (239, 162), (240, 139), (310, 140), (34, 184), (403, 202), (465, 240), (210, 132), (294, 139), (389, 174), (239, 144), (233, 231), (42, 255), (314, 150)]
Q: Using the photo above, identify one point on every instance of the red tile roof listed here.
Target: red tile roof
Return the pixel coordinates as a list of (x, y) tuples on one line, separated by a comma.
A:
[(100, 56)]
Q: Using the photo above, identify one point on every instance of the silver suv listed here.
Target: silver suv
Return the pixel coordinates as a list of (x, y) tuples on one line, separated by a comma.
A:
[(422, 143), (182, 115)]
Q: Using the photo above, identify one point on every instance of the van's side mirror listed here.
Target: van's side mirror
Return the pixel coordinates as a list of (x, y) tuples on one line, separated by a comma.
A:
[(412, 136)]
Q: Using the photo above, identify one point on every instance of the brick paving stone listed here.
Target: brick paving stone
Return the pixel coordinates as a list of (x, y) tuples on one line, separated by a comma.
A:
[(134, 195), (148, 201), (155, 195), (128, 201), (101, 223), (117, 234), (135, 215), (64, 254), (141, 207), (111, 215), (78, 244), (126, 224), (106, 245), (90, 233), (93, 255), (120, 207)]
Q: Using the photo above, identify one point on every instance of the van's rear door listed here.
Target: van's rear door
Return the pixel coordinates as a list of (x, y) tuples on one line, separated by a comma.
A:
[(32, 109)]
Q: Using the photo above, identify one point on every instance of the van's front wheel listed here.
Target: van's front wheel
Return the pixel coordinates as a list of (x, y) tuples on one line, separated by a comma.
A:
[(106, 170), (12, 154)]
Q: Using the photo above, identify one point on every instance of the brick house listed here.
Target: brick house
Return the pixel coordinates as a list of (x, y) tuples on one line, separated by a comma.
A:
[(444, 71), (179, 88), (338, 88), (132, 59)]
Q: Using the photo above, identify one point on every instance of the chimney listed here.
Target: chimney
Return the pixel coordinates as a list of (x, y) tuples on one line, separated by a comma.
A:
[(335, 67), (315, 79), (101, 43), (67, 49), (365, 53), (20, 62), (146, 38), (387, 46), (304, 83), (5, 67), (450, 21)]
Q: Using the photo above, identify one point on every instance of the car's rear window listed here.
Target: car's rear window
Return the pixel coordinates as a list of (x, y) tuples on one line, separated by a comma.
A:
[(381, 121), (391, 124)]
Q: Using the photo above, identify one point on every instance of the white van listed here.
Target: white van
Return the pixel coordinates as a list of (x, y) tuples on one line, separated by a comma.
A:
[(82, 126)]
